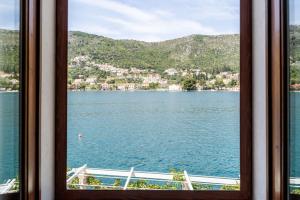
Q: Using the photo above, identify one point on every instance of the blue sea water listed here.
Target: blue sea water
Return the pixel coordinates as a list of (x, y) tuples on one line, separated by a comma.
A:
[(295, 134), (155, 131), (9, 136), (151, 131)]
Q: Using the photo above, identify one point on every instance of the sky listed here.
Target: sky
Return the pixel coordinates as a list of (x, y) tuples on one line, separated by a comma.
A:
[(294, 12), (9, 14), (154, 20), (147, 20)]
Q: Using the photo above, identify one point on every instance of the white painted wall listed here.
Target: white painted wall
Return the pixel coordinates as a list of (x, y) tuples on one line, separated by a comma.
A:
[(259, 100), (47, 99), (48, 93)]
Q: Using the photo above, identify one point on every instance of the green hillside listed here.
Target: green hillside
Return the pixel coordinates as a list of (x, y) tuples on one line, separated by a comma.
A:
[(209, 53), (295, 54), (9, 51)]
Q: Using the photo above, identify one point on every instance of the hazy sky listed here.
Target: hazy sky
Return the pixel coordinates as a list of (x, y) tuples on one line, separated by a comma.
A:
[(148, 20), (294, 11), (9, 14), (154, 20)]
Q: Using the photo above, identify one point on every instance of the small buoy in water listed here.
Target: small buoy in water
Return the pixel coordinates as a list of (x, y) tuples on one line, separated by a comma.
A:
[(79, 135)]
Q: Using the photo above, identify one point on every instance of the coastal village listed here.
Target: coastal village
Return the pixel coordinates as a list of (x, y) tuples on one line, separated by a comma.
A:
[(85, 74), (81, 77), (9, 81)]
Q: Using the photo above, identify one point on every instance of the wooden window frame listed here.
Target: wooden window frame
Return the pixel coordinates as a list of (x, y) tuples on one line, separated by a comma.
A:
[(61, 191), (278, 98), (30, 153), (29, 103)]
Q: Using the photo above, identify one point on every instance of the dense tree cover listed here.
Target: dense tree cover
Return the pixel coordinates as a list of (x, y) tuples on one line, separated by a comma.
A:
[(294, 54), (81, 72), (212, 54), (9, 51)]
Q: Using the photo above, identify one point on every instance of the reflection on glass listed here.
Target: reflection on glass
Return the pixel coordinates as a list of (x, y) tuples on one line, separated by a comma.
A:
[(9, 96), (294, 62), (153, 100)]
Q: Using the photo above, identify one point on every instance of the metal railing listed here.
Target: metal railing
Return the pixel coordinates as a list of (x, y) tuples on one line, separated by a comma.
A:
[(127, 176)]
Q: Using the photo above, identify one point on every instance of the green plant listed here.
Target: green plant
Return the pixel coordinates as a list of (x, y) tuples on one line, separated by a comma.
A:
[(198, 186), (230, 187), (5, 83), (112, 81), (82, 86), (73, 185), (142, 184), (296, 191), (16, 186), (177, 175), (232, 83), (117, 183), (90, 180), (153, 86), (138, 184), (219, 84), (189, 84)]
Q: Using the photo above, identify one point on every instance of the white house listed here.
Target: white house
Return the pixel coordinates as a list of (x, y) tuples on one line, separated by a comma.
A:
[(171, 72), (175, 87), (91, 81)]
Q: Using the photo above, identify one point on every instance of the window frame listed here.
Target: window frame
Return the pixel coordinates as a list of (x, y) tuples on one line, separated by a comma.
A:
[(61, 191), (286, 49), (278, 99), (30, 51), (29, 102), (279, 107)]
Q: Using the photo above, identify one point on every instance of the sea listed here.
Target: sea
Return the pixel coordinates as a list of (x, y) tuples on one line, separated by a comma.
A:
[(153, 131)]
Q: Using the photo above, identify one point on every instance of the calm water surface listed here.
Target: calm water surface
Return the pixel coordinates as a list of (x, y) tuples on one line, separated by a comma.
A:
[(295, 134), (9, 135), (155, 131)]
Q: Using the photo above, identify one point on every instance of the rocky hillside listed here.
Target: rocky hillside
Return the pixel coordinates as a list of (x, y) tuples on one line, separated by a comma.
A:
[(209, 53), (212, 54)]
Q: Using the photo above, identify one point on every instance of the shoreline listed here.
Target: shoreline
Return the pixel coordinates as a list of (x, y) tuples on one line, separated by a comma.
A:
[(170, 91), (175, 91), (9, 91)]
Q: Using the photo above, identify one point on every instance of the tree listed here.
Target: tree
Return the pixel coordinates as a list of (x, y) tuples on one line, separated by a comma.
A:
[(153, 86), (82, 86), (233, 83), (189, 84), (219, 84)]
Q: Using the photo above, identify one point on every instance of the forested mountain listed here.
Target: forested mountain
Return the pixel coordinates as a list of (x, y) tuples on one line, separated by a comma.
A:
[(9, 51), (294, 48), (208, 53)]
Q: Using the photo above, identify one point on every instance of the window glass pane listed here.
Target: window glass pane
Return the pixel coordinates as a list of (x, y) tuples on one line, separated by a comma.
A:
[(9, 96), (294, 62), (153, 94)]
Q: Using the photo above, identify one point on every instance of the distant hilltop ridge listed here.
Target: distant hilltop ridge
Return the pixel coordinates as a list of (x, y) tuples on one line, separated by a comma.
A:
[(208, 53), (194, 62)]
